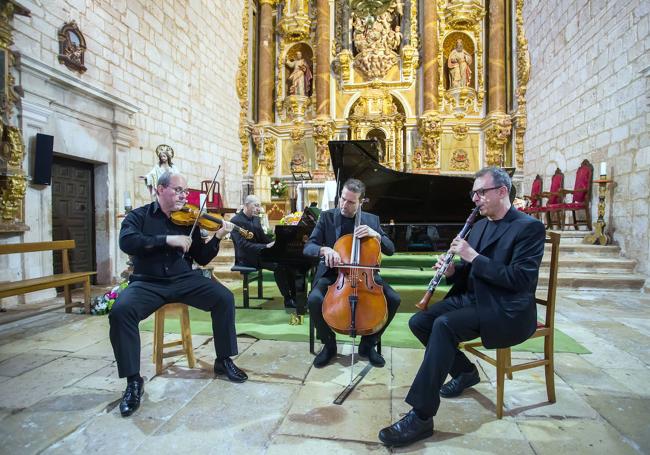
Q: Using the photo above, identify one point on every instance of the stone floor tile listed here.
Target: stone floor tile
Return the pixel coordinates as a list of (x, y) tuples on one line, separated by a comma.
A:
[(163, 398), (35, 385), (224, 418), (641, 325), (313, 413), (573, 436), (405, 365), (44, 423), (629, 415), (282, 445), (340, 371), (21, 363), (276, 361), (634, 380), (575, 370), (100, 348)]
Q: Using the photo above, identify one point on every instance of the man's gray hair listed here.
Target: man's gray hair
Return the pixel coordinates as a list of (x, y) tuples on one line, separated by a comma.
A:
[(356, 186), (251, 199), (165, 178), (499, 176)]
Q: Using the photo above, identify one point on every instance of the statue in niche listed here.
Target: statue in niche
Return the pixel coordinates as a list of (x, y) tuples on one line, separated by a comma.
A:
[(300, 78), (459, 63), (165, 154)]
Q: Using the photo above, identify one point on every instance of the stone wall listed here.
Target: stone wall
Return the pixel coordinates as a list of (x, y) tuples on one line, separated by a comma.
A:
[(158, 72), (588, 97)]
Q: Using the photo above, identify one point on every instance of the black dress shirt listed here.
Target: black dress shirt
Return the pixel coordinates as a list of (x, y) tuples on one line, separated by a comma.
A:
[(143, 236)]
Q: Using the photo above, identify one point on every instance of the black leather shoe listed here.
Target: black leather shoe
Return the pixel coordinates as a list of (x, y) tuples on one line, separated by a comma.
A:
[(370, 353), (228, 367), (289, 302), (131, 398), (406, 431), (325, 355), (456, 386)]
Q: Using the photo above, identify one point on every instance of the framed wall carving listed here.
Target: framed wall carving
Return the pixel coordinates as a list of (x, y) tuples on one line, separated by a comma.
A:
[(72, 47)]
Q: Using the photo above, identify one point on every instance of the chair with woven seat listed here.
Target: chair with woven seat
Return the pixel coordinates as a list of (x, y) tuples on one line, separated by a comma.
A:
[(503, 360), (534, 198), (581, 198), (185, 341)]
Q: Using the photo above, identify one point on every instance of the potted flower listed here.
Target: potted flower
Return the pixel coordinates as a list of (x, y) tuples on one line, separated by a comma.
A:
[(278, 189)]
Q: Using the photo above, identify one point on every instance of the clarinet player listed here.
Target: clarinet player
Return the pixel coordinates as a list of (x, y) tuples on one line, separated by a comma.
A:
[(493, 296)]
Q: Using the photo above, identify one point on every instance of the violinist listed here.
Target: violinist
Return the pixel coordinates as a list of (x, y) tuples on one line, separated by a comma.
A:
[(493, 296), (162, 254), (331, 225), (248, 250)]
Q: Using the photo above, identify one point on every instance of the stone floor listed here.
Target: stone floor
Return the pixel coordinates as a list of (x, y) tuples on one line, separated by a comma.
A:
[(59, 391)]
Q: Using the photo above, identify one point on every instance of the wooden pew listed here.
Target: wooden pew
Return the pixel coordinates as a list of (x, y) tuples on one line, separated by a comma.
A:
[(64, 279)]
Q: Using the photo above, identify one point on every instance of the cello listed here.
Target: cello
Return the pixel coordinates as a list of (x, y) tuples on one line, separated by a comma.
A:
[(355, 303)]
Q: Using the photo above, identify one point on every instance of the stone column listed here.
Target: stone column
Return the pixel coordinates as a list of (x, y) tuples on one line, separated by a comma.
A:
[(323, 125), (322, 76), (497, 125), (430, 71), (430, 124), (265, 62)]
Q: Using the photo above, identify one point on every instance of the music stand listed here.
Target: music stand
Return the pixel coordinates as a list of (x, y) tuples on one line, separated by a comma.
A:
[(302, 177)]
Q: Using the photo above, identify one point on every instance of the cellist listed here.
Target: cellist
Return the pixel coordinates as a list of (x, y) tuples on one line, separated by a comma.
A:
[(331, 225)]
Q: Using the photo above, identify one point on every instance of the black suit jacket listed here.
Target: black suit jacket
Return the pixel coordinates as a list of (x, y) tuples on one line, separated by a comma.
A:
[(328, 231), (247, 251), (504, 278)]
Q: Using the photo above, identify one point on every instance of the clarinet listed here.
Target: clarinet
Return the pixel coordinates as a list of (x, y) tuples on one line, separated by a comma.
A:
[(449, 256)]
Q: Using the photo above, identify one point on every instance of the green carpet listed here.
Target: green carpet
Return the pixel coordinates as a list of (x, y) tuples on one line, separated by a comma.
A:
[(272, 322)]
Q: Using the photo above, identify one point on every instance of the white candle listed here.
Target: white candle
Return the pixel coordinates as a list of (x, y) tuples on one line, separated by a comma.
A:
[(603, 168), (127, 201)]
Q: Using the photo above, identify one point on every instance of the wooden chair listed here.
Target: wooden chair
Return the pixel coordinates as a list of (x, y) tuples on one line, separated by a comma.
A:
[(534, 198), (159, 333), (581, 198), (503, 361)]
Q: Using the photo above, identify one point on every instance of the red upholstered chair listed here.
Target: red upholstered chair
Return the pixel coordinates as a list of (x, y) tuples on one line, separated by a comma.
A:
[(535, 199), (553, 196), (581, 198), (215, 200)]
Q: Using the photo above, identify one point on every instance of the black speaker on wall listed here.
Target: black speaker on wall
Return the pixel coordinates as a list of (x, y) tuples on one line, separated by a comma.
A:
[(43, 159)]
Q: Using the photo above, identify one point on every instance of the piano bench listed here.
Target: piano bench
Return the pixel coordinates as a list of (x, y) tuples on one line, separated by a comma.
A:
[(312, 329), (249, 274)]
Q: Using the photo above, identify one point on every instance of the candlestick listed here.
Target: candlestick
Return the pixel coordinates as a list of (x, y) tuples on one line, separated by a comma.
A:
[(599, 235)]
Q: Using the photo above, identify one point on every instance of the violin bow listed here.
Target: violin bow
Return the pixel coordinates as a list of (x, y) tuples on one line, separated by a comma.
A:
[(210, 188)]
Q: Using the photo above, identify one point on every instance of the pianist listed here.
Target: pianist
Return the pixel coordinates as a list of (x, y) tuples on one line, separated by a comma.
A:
[(247, 252), (331, 225)]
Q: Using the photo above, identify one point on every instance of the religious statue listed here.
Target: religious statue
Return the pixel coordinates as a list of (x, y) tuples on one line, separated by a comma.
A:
[(300, 77), (165, 154), (459, 63)]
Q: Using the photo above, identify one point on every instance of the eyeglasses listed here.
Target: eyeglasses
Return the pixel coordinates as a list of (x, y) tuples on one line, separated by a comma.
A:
[(180, 190), (481, 192)]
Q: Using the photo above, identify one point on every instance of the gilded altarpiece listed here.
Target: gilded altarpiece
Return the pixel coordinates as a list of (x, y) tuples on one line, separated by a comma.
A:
[(13, 181), (429, 80)]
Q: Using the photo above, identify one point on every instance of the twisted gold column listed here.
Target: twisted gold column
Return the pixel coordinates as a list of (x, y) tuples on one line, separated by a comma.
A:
[(430, 55), (323, 125)]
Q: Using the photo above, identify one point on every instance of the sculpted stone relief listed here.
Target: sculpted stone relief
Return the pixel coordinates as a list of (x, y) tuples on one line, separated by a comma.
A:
[(376, 40)]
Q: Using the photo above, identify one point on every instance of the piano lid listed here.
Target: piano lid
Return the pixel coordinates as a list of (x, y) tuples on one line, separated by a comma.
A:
[(402, 197)]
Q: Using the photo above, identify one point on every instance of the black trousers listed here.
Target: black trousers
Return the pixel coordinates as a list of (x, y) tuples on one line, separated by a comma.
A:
[(285, 278), (324, 332), (440, 329), (141, 298)]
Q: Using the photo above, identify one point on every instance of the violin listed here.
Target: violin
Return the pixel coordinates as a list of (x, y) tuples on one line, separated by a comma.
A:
[(355, 303), (190, 214)]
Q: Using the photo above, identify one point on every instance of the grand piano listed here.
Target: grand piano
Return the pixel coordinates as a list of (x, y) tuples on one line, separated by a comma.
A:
[(419, 212), (287, 250)]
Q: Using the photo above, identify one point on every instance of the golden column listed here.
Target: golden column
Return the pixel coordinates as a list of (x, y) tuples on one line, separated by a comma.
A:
[(266, 66), (429, 124), (497, 123), (323, 125)]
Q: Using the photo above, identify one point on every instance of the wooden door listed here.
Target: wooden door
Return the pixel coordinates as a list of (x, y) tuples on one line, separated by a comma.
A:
[(73, 214)]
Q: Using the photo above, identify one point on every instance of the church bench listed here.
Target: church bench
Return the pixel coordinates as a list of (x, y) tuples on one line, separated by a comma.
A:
[(65, 279)]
